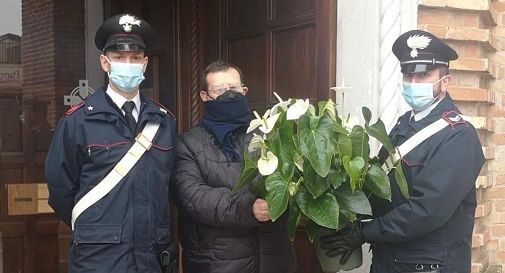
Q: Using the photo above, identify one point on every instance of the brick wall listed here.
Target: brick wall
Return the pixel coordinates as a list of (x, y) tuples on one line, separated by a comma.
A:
[(52, 50), (476, 29)]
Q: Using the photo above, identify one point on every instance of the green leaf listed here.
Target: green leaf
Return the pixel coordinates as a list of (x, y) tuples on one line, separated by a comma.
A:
[(311, 229), (336, 177), (327, 107), (316, 144), (359, 140), (293, 219), (248, 172), (344, 146), (299, 161), (277, 195), (339, 129), (346, 215), (378, 131), (283, 148), (315, 184), (356, 201), (311, 111), (400, 180), (377, 182), (322, 210), (354, 169), (259, 188), (367, 115)]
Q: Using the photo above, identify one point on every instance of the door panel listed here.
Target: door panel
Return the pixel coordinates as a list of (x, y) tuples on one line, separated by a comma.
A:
[(13, 258), (249, 54), (10, 135), (286, 9), (293, 62), (246, 16)]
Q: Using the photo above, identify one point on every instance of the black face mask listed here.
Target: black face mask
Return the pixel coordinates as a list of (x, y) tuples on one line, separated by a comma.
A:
[(229, 95), (222, 118)]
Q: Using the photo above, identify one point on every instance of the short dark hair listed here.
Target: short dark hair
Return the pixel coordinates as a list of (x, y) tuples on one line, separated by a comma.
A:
[(443, 71), (218, 66)]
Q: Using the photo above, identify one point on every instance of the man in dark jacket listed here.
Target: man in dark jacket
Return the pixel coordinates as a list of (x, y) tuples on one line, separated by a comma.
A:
[(128, 228), (223, 232), (431, 231)]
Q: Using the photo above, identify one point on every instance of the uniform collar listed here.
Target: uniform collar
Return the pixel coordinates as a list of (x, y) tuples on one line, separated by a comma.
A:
[(406, 128), (120, 100), (420, 115), (101, 103)]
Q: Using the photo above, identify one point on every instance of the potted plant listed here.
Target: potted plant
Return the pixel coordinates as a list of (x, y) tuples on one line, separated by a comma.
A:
[(315, 165)]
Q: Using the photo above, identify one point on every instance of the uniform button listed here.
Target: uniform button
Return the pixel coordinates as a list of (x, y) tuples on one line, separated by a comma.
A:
[(115, 238)]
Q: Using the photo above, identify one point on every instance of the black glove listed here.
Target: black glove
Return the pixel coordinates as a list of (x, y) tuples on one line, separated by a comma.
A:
[(343, 242)]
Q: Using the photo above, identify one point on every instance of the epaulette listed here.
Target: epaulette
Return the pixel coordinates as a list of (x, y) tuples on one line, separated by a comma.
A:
[(453, 118), (74, 108), (163, 108)]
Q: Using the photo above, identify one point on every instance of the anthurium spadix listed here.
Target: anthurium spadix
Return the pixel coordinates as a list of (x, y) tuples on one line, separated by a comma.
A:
[(267, 164), (296, 110), (281, 104), (265, 123)]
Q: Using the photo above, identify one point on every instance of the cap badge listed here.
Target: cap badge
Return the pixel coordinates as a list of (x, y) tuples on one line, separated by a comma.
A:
[(90, 108), (163, 110), (127, 21), (416, 42)]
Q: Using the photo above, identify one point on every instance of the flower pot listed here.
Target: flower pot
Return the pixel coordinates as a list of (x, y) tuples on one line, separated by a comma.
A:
[(331, 265)]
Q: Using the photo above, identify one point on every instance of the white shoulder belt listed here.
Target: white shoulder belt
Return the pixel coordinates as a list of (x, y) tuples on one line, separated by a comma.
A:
[(143, 143), (417, 139)]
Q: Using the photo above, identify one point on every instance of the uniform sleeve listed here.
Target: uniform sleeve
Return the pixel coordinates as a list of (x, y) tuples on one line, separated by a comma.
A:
[(439, 189), (204, 204), (63, 170)]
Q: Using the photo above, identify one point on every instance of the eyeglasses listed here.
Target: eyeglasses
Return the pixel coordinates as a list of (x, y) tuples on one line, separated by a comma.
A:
[(222, 89)]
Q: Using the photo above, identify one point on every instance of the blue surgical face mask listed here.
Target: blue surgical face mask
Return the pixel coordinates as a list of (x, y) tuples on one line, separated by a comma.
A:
[(126, 76), (419, 95)]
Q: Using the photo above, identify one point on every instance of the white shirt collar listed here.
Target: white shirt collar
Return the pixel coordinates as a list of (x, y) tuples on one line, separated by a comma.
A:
[(120, 100), (420, 115)]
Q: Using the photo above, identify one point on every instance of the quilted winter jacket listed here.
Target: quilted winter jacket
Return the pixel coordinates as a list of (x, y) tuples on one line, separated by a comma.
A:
[(218, 231)]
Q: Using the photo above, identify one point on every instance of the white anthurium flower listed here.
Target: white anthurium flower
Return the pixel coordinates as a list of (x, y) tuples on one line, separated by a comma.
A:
[(267, 164), (269, 123), (296, 110), (255, 123), (282, 104), (265, 123), (256, 143)]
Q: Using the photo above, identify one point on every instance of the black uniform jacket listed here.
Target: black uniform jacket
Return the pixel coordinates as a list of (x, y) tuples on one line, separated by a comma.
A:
[(218, 231), (434, 226), (126, 230)]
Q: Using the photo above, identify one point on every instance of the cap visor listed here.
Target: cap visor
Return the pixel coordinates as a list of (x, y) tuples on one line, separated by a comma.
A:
[(124, 43)]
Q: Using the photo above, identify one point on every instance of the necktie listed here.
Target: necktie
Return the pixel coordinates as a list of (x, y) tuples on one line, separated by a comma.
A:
[(128, 108)]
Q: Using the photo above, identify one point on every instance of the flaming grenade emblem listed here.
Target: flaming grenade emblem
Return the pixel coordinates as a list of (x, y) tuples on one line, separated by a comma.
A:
[(416, 42), (127, 21)]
